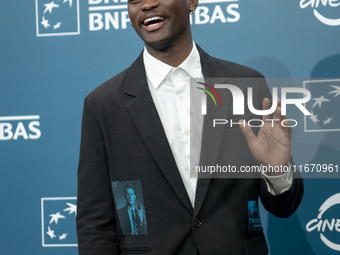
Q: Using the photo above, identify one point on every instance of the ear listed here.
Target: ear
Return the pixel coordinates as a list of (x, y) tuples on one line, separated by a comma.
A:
[(193, 5)]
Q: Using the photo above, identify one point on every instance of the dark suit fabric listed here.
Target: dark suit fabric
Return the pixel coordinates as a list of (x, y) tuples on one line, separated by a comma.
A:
[(123, 139)]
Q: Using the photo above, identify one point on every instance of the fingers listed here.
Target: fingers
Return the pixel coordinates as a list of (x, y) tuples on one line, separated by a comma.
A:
[(277, 112), (266, 106), (247, 132), (278, 115), (140, 215)]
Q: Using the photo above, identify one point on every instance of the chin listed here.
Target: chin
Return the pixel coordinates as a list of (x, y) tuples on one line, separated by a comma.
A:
[(161, 45)]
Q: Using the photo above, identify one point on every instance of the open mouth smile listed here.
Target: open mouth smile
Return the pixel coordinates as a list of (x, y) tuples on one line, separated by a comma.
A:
[(153, 23)]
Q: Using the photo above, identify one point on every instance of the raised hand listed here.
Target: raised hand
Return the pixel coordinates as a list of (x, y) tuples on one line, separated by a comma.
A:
[(140, 214), (272, 145)]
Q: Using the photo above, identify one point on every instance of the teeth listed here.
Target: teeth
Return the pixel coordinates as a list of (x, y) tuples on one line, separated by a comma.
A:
[(146, 22)]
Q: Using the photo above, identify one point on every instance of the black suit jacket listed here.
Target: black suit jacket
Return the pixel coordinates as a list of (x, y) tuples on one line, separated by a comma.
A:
[(123, 139)]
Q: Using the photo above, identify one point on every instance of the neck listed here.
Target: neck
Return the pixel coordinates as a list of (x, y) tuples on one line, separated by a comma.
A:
[(174, 55)]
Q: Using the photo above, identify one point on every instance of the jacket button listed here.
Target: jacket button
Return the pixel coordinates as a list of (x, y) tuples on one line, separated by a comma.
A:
[(197, 223)]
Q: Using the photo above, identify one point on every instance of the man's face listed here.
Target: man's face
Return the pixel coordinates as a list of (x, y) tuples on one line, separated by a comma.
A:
[(130, 196), (160, 23)]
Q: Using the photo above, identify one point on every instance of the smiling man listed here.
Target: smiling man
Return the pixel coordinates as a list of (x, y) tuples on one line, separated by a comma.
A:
[(164, 26), (136, 127)]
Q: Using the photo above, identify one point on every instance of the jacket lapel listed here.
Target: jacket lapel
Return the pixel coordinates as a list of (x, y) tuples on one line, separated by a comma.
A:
[(211, 137), (145, 116)]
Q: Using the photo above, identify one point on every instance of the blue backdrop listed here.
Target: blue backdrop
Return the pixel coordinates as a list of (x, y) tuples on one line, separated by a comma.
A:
[(53, 53)]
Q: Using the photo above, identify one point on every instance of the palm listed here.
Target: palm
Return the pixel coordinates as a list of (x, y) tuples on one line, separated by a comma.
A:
[(273, 142)]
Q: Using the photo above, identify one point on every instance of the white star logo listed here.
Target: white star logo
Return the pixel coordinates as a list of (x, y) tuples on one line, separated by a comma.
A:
[(319, 100), (327, 121), (336, 91), (56, 217), (314, 118), (71, 209), (57, 25), (44, 22), (63, 236), (50, 233), (50, 6)]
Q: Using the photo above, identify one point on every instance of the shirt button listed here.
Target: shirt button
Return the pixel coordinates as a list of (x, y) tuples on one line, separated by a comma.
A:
[(175, 72), (187, 133), (197, 223), (181, 97)]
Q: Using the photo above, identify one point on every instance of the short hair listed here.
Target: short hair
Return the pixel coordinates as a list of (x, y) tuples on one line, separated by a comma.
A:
[(129, 186)]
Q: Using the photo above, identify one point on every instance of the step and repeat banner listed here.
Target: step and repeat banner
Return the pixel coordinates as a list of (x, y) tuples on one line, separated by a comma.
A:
[(53, 53)]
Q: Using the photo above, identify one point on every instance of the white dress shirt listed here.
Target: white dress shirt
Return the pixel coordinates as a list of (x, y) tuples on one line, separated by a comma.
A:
[(170, 89)]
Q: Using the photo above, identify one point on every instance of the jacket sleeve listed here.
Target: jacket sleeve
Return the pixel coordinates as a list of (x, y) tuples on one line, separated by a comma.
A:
[(96, 227), (285, 204)]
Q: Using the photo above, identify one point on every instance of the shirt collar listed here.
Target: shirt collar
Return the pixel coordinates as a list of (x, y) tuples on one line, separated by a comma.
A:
[(130, 207), (156, 70)]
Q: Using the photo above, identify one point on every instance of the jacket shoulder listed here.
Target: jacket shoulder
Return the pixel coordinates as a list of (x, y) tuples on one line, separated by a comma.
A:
[(235, 70), (109, 88)]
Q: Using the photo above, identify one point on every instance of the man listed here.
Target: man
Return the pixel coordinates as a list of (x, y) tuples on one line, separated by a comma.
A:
[(131, 218), (135, 127)]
